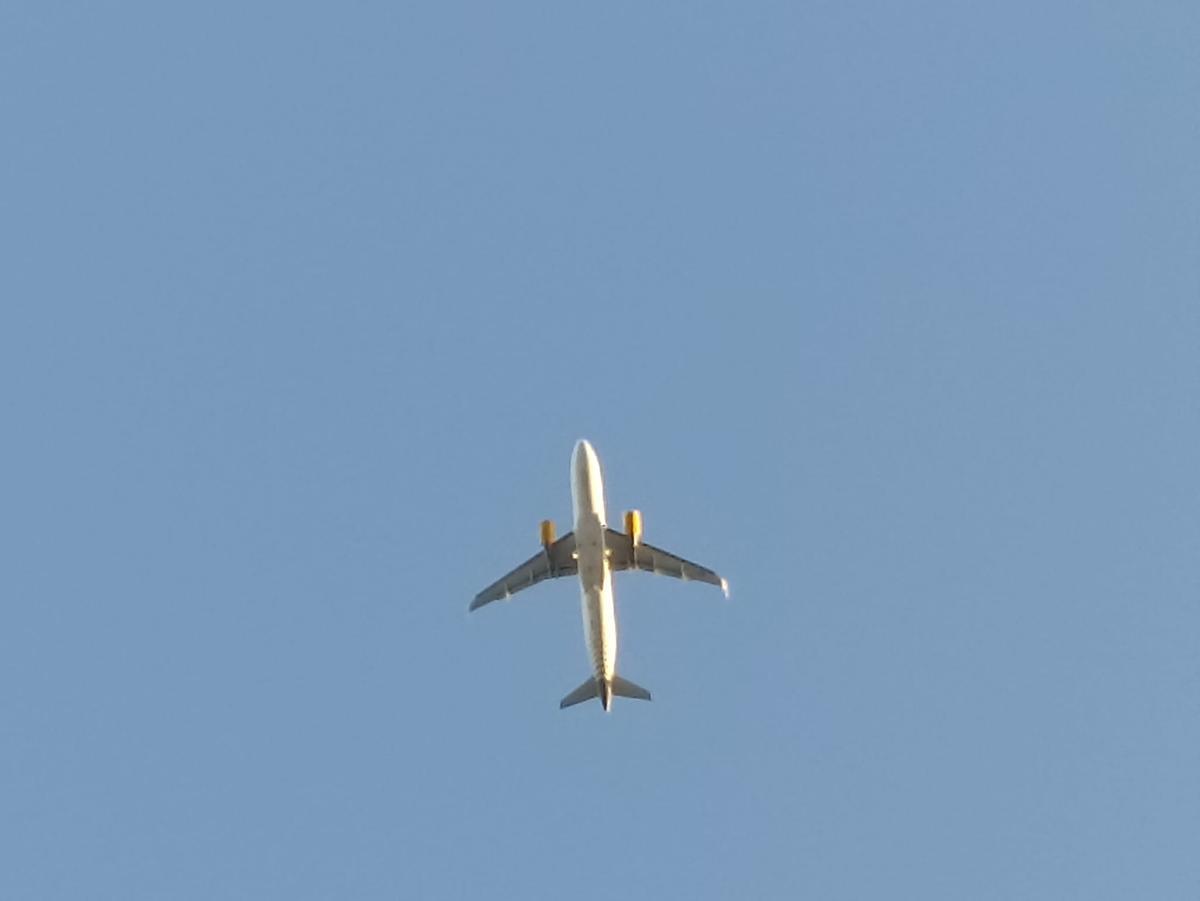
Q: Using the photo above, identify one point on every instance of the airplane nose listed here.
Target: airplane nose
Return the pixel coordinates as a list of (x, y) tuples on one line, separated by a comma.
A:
[(581, 456)]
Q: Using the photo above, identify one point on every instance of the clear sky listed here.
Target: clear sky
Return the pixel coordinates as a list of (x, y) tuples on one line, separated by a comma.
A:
[(890, 312)]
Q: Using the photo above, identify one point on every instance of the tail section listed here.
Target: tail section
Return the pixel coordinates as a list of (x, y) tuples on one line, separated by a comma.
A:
[(605, 691)]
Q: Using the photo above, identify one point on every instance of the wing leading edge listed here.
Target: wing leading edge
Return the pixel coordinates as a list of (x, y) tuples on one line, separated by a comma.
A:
[(624, 554), (549, 563)]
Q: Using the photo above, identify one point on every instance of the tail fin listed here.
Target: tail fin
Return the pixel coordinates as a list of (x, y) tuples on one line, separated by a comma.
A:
[(623, 688), (605, 691), (585, 692)]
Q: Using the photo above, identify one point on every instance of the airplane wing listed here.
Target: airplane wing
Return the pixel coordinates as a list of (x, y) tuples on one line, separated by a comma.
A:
[(548, 563), (623, 554)]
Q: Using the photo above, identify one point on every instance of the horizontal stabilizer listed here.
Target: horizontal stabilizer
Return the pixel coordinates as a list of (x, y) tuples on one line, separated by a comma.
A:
[(584, 692), (623, 688)]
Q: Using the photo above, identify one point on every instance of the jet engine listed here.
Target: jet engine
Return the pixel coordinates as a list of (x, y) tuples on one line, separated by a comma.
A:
[(633, 526), (547, 533)]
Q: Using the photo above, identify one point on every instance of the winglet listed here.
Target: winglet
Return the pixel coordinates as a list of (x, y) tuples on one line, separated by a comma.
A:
[(725, 588)]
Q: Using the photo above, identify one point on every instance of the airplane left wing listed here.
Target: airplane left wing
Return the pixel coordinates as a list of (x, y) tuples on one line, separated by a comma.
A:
[(624, 554), (549, 563)]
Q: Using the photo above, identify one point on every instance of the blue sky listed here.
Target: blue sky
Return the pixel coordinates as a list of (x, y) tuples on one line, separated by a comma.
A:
[(890, 312)]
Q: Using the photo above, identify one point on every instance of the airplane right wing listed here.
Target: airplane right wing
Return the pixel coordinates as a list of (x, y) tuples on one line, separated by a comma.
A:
[(549, 563), (624, 554)]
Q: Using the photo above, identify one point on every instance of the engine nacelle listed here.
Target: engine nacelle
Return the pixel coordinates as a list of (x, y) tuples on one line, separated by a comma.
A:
[(547, 533), (633, 526)]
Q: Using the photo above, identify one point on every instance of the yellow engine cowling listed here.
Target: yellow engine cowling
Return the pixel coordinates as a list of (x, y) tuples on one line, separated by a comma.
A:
[(633, 526), (547, 532)]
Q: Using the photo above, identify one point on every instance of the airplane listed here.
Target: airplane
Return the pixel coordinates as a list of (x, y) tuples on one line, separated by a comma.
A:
[(594, 552)]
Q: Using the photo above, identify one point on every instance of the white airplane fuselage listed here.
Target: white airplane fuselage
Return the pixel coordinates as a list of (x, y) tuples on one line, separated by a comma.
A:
[(595, 574)]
